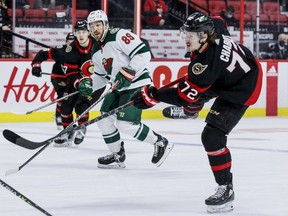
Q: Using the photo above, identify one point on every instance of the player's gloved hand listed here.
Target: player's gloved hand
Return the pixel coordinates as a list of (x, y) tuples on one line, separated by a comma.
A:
[(85, 86), (145, 98), (124, 77), (36, 69)]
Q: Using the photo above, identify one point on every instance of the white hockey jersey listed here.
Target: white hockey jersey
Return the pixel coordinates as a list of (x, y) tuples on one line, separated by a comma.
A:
[(121, 48)]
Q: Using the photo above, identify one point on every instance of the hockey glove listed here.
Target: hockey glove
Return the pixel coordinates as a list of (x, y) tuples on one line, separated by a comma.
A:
[(124, 77), (145, 98), (36, 69), (85, 86)]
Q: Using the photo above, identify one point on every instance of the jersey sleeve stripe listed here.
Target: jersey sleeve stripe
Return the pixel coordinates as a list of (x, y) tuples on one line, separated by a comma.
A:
[(136, 50)]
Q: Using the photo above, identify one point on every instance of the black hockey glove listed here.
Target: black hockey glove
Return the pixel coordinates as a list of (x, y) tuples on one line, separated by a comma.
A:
[(85, 86), (124, 77), (145, 98), (36, 69)]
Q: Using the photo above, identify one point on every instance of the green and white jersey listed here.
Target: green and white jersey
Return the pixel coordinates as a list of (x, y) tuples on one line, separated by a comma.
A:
[(121, 48)]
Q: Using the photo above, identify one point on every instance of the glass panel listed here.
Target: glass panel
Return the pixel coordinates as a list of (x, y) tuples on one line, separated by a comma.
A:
[(121, 13)]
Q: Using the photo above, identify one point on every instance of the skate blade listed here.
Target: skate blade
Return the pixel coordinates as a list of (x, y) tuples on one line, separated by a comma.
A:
[(227, 207), (61, 145), (167, 152), (111, 166), (73, 145)]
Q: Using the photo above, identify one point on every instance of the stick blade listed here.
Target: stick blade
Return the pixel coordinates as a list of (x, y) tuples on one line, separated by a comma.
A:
[(11, 171), (20, 141)]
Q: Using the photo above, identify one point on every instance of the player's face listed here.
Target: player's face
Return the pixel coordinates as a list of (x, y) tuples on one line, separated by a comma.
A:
[(97, 29), (82, 36), (192, 41)]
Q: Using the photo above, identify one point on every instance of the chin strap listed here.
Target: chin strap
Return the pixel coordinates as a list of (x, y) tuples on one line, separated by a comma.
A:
[(197, 50)]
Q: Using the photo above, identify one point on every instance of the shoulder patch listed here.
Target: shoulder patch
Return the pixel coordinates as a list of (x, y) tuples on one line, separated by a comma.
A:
[(68, 49), (198, 68), (114, 30)]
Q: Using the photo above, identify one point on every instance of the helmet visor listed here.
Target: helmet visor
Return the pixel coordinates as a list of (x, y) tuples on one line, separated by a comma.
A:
[(188, 35)]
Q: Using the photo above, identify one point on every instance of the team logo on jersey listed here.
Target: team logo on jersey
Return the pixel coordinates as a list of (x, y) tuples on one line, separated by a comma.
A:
[(198, 68), (107, 64), (87, 68), (68, 49)]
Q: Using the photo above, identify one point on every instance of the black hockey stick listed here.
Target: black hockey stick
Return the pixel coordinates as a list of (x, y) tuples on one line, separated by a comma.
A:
[(33, 145), (46, 105), (22, 197), (20, 141)]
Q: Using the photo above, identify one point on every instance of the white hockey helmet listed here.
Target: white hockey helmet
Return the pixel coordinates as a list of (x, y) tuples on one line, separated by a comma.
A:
[(98, 15)]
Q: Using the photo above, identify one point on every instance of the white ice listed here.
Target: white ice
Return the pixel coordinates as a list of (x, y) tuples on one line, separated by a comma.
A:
[(67, 182)]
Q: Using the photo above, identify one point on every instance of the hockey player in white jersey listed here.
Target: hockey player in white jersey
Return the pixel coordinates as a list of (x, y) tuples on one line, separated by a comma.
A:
[(120, 56)]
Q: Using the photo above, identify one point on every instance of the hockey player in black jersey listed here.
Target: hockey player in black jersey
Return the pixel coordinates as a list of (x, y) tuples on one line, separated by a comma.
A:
[(220, 69), (57, 79), (77, 67)]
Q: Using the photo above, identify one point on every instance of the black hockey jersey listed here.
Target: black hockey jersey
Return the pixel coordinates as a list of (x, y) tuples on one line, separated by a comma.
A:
[(227, 69), (75, 60)]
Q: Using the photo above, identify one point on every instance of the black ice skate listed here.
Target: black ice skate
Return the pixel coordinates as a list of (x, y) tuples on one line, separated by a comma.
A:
[(162, 148), (113, 161), (221, 201), (64, 140), (175, 112)]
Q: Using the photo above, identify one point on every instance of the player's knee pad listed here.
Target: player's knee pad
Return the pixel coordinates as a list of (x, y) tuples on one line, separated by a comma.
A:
[(106, 125), (213, 138), (126, 127)]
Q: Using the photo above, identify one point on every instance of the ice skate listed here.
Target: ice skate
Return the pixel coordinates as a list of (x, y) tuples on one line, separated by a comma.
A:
[(113, 161), (175, 112), (221, 201), (162, 148), (64, 140), (78, 137)]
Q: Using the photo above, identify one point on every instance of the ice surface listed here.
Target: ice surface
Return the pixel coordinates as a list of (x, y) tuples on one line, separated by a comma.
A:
[(67, 182)]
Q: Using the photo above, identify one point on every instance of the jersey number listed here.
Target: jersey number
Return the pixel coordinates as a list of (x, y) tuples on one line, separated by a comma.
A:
[(191, 94), (127, 38), (237, 58)]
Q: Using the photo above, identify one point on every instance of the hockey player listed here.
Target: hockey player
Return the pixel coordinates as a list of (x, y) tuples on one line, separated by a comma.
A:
[(121, 57), (219, 67), (57, 79), (75, 60)]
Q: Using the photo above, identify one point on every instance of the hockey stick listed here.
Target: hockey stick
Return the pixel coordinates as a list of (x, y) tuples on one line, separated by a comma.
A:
[(55, 75), (20, 141), (22, 197), (46, 105)]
